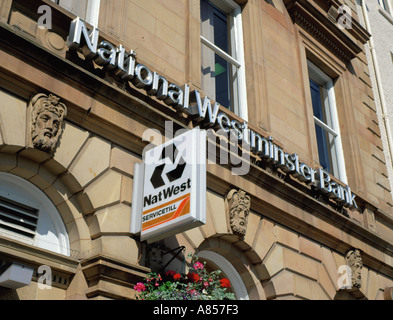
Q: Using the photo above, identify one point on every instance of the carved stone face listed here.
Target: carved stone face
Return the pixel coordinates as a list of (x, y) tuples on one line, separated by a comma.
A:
[(46, 130), (238, 217), (47, 121), (238, 207), (354, 261), (357, 274)]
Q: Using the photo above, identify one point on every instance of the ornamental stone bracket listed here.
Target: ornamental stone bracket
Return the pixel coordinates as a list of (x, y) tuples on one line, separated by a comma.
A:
[(237, 208), (322, 24), (46, 125), (353, 259)]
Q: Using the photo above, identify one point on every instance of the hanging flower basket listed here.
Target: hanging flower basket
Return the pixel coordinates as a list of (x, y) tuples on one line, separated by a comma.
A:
[(198, 284)]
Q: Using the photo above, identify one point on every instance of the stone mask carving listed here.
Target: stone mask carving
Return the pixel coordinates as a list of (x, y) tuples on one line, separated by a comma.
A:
[(354, 261), (47, 119), (238, 208)]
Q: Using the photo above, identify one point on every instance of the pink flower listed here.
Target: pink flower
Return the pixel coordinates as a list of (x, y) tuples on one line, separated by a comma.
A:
[(193, 292), (140, 287), (198, 265)]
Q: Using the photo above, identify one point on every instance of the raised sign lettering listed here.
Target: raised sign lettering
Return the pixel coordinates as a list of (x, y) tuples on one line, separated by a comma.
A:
[(123, 65)]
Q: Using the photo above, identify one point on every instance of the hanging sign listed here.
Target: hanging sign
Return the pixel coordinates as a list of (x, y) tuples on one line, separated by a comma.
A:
[(170, 187)]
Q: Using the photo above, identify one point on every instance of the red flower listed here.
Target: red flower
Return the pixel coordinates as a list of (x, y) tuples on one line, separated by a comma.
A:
[(194, 277), (170, 273), (225, 283), (177, 276)]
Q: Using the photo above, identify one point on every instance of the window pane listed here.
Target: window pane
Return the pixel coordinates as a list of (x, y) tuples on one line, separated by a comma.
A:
[(220, 29), (324, 139), (317, 103), (325, 148), (77, 7), (221, 67), (216, 71), (222, 79)]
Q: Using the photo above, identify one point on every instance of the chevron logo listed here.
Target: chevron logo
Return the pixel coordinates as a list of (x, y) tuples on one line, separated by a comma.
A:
[(170, 152)]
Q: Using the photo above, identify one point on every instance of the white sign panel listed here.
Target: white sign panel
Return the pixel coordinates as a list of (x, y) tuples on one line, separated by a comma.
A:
[(170, 187)]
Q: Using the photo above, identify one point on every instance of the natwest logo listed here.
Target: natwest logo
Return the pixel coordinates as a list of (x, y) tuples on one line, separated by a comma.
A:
[(169, 152), (170, 182)]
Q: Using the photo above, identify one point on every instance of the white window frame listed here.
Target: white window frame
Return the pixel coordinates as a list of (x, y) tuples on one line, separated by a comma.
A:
[(233, 10), (92, 10), (237, 284), (333, 127), (385, 5)]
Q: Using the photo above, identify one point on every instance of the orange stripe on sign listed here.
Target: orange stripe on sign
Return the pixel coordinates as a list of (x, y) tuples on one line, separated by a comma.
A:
[(166, 204), (153, 222), (183, 209)]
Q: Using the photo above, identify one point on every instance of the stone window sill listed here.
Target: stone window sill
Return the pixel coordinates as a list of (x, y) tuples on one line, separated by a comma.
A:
[(386, 15)]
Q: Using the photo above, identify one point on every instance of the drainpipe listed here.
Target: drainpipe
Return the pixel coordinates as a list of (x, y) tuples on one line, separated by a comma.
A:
[(379, 85)]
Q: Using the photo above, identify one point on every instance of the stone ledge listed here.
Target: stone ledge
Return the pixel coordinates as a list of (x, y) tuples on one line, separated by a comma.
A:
[(110, 278), (18, 251)]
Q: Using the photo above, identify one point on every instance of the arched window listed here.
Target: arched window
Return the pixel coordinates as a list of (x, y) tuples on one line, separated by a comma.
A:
[(27, 215), (217, 261)]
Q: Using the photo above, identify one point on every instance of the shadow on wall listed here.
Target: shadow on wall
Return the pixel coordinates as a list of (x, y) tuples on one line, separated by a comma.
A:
[(8, 294)]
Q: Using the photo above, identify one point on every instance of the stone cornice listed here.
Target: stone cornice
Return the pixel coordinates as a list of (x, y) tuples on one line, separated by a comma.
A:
[(323, 27), (32, 255), (357, 30)]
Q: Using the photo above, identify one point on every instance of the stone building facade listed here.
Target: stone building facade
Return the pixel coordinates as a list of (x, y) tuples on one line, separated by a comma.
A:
[(376, 17), (75, 121)]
